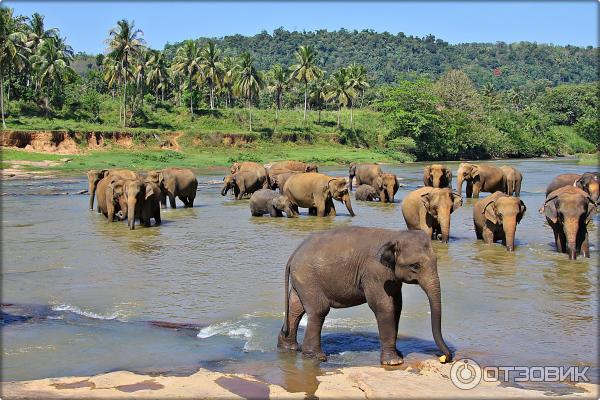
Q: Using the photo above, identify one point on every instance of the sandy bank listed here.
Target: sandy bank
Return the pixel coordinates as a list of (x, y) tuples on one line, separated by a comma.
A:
[(431, 381)]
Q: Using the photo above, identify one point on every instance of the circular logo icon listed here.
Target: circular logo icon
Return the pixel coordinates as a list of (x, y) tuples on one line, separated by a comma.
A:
[(465, 374)]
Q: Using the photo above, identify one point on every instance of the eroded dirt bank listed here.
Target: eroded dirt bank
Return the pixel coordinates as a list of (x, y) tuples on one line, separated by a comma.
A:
[(431, 380)]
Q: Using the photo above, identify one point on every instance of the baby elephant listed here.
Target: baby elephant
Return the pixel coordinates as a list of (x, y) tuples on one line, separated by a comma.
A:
[(496, 218), (366, 193), (266, 201)]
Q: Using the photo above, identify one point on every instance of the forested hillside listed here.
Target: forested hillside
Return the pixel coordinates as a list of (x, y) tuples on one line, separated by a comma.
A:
[(386, 56)]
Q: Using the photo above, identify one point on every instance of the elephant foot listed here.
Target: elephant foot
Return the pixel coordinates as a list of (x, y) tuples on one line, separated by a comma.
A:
[(286, 344), (319, 355), (391, 358)]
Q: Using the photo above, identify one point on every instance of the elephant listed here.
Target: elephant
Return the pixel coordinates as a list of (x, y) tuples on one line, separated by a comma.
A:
[(514, 178), (175, 182), (94, 176), (369, 174), (480, 178), (316, 192), (102, 202), (437, 176), (496, 217), (323, 275), (568, 210), (136, 199), (242, 182), (366, 193), (429, 209), (251, 166), (266, 201), (390, 185), (279, 180), (285, 166), (588, 182)]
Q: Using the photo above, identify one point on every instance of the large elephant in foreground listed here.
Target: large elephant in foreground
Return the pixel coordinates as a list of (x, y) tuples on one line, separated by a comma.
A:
[(514, 179), (136, 199), (316, 192), (324, 275), (429, 209), (496, 217), (175, 182), (480, 178), (437, 176), (588, 182), (568, 210), (94, 176), (241, 183)]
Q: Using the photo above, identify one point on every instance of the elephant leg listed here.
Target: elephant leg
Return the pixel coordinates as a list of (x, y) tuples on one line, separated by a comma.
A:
[(163, 200), (172, 200), (330, 209), (311, 346), (272, 210), (321, 208), (560, 240), (294, 315), (294, 208), (157, 219), (312, 211), (191, 199), (397, 313), (488, 235), (469, 190), (476, 190), (478, 232), (585, 244), (518, 189), (385, 312)]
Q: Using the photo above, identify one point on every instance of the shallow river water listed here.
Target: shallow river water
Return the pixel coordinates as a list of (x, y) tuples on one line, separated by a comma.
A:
[(83, 292)]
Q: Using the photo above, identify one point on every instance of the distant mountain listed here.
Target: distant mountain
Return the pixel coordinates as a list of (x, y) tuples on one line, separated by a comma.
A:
[(386, 56)]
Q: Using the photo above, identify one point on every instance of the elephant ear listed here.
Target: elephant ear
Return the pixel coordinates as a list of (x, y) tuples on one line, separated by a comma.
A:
[(426, 200), (149, 191), (389, 253), (448, 175), (592, 208), (104, 173), (490, 212), (521, 212), (426, 175), (475, 171), (457, 201), (550, 210)]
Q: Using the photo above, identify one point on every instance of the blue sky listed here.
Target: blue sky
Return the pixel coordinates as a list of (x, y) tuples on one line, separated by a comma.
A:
[(86, 24)]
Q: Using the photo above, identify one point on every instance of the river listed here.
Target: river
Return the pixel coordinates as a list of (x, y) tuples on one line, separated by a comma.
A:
[(83, 291)]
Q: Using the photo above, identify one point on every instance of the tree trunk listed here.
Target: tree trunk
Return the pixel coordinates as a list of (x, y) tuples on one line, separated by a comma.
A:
[(125, 104), (2, 99), (305, 99), (351, 117), (339, 112), (212, 104), (191, 100), (250, 111)]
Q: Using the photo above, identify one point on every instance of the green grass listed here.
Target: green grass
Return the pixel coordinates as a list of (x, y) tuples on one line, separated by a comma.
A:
[(590, 159)]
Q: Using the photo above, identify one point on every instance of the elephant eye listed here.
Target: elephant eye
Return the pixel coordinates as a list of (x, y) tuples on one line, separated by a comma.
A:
[(414, 267)]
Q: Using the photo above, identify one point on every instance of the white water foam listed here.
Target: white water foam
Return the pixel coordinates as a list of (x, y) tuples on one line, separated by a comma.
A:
[(347, 323), (233, 329), (87, 314)]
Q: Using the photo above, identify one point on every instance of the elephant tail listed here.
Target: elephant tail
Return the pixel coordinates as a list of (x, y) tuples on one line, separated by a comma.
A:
[(285, 329)]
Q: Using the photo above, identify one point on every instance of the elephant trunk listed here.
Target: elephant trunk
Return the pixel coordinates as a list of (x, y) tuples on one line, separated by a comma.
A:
[(431, 287), (348, 204), (390, 194), (444, 221), (92, 192), (509, 225), (350, 177), (459, 182), (571, 228), (224, 190), (131, 203)]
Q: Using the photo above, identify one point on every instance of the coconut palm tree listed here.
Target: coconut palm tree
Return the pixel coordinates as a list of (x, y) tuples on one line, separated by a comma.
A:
[(157, 75), (357, 75), (124, 45), (229, 77), (14, 49), (140, 72), (50, 65), (212, 68), (249, 81), (38, 32), (278, 83), (188, 61), (318, 94), (340, 90), (305, 70)]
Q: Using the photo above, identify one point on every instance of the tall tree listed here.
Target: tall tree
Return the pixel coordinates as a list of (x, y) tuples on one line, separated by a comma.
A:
[(278, 82), (38, 32), (340, 90), (249, 81), (305, 70), (357, 75), (212, 68), (318, 94), (188, 60), (229, 77), (124, 44), (157, 75), (14, 49)]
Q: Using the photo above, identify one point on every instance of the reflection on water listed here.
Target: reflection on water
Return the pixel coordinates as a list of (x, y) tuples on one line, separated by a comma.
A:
[(94, 286)]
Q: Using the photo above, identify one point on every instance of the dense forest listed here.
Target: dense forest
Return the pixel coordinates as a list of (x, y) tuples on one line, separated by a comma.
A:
[(415, 96)]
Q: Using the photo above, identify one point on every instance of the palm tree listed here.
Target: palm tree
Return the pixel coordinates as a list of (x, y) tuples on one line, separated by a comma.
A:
[(248, 82), (50, 65), (157, 75), (278, 83), (340, 90), (188, 61), (229, 76), (13, 49), (124, 44), (515, 95), (212, 68), (318, 93), (305, 70), (38, 32), (140, 71), (357, 75)]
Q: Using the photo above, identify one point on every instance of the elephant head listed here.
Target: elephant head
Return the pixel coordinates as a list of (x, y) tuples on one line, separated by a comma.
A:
[(135, 192), (466, 172), (508, 212), (283, 204), (338, 189), (589, 182), (311, 168), (440, 203), (416, 263), (389, 183), (351, 174), (228, 184), (437, 176), (569, 207), (235, 167), (94, 177), (114, 201)]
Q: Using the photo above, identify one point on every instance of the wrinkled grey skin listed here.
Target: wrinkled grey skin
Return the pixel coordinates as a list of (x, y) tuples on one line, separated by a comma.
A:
[(568, 210), (496, 217), (589, 182), (366, 193), (266, 201), (244, 182), (323, 274)]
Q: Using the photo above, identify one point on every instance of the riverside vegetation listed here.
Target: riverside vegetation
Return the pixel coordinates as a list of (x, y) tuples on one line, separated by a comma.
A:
[(318, 105)]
